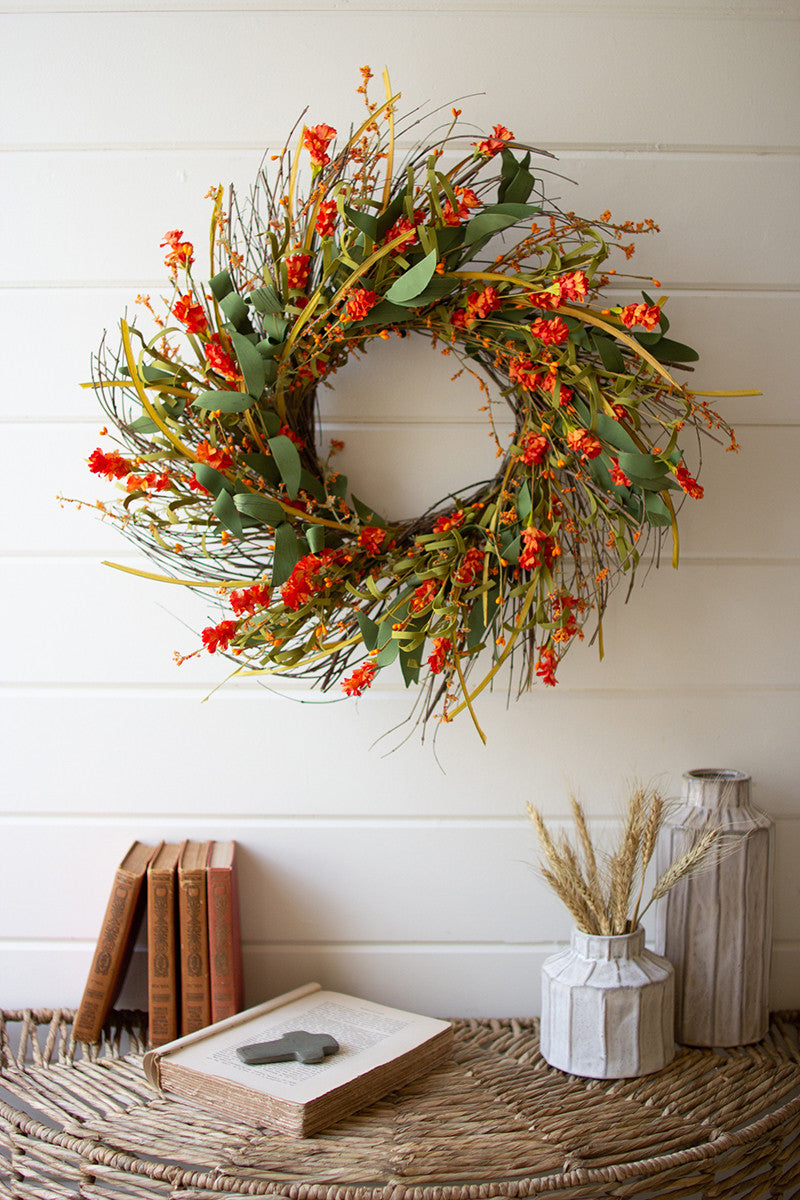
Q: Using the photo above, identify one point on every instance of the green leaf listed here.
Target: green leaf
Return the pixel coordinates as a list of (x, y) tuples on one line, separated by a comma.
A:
[(388, 654), (667, 351), (275, 326), (144, 424), (656, 510), (367, 514), (391, 213), (229, 402), (152, 374), (265, 300), (410, 665), (228, 514), (436, 290), (413, 281), (524, 503), (287, 553), (261, 508), (309, 483), (511, 550), (286, 456), (384, 313), (315, 536), (643, 466), (236, 311), (495, 218), (220, 284), (369, 630), (265, 466), (252, 364), (363, 221), (212, 479), (609, 352)]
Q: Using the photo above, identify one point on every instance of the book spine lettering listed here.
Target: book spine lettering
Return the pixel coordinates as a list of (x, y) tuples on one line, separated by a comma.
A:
[(195, 985), (107, 963), (224, 940), (162, 974)]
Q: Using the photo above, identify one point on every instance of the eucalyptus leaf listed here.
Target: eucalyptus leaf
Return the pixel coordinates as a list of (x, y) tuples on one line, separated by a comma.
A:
[(410, 665), (367, 514), (236, 311), (265, 300), (228, 402), (363, 221), (609, 352), (221, 284), (228, 514), (286, 555), (667, 351), (369, 630), (213, 480), (656, 510), (388, 654), (286, 456), (309, 483), (315, 536), (261, 508), (413, 281), (252, 364)]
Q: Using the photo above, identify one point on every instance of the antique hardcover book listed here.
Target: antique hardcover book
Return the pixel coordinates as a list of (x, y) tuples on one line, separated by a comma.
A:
[(163, 974), (224, 932), (193, 932), (379, 1049), (114, 945)]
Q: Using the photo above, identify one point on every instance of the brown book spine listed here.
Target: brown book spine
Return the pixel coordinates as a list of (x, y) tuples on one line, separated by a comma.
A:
[(114, 944), (224, 940), (193, 925), (162, 949)]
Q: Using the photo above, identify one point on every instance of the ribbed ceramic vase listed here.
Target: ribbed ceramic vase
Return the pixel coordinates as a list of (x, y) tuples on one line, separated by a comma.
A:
[(715, 926), (607, 1008)]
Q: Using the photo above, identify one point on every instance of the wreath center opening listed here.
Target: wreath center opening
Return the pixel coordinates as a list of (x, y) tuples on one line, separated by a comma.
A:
[(409, 428)]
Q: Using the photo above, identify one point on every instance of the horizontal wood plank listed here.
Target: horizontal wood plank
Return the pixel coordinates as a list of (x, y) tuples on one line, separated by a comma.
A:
[(741, 338), (439, 981), (165, 189), (144, 96), (134, 754)]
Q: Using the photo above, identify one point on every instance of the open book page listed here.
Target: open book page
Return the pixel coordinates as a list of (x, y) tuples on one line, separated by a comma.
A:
[(368, 1035)]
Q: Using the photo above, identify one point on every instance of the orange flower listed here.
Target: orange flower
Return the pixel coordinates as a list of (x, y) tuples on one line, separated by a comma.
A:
[(618, 475), (546, 667), (538, 550), (218, 360), (640, 314), (189, 314), (297, 271), (688, 482), (580, 441), (371, 539), (481, 304), (552, 331), (520, 370), (151, 482), (471, 564), (220, 460), (534, 449), (111, 465), (218, 637), (493, 145), (249, 599), (360, 679), (316, 140), (441, 648), (325, 223), (181, 254), (465, 200), (424, 594), (574, 286), (449, 521), (360, 302)]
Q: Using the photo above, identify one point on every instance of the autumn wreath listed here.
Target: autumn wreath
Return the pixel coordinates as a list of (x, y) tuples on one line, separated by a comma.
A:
[(216, 413)]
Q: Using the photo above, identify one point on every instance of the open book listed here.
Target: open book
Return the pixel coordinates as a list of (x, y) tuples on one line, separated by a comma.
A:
[(379, 1049)]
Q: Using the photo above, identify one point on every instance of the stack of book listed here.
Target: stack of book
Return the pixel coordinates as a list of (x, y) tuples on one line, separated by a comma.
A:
[(190, 895)]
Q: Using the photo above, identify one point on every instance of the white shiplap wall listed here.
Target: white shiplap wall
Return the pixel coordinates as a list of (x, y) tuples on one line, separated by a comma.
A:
[(404, 876)]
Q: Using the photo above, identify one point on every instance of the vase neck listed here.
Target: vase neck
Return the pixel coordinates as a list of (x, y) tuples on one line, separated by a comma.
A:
[(599, 947), (712, 788)]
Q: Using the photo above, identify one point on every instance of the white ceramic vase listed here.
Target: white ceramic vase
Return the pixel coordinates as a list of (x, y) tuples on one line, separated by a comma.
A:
[(607, 1007), (715, 926)]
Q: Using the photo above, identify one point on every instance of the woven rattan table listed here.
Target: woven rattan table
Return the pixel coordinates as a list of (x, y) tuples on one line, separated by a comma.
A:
[(494, 1121)]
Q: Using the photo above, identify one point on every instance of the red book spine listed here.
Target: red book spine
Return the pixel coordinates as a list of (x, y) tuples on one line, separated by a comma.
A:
[(224, 941), (193, 921)]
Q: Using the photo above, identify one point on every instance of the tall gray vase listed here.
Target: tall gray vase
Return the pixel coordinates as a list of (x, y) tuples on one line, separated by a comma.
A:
[(715, 927)]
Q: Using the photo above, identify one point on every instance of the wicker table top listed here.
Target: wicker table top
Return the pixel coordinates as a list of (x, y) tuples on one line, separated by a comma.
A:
[(494, 1121)]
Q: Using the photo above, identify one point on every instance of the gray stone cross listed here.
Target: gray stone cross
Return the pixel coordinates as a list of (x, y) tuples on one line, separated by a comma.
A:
[(298, 1046)]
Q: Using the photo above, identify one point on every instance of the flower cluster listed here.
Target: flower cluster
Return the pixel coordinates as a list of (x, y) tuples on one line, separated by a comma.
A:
[(218, 466)]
